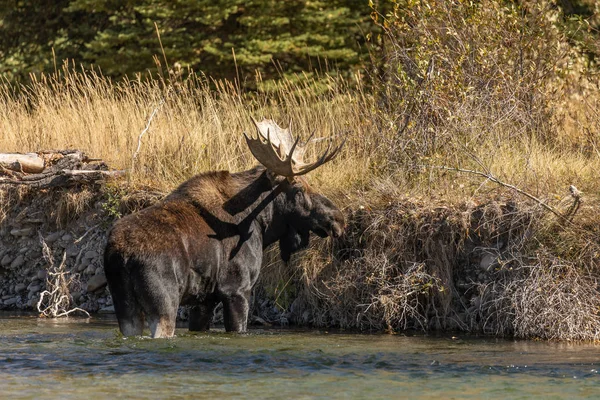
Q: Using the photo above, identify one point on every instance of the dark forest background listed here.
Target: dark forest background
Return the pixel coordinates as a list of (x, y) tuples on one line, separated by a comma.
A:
[(272, 38)]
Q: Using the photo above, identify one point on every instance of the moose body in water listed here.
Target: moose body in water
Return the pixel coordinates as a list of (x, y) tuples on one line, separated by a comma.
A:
[(203, 244)]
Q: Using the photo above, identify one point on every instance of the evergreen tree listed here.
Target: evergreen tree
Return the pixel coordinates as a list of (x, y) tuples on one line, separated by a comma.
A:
[(272, 37)]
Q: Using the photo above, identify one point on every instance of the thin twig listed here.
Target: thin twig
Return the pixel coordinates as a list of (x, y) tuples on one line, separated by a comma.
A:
[(492, 178), (139, 145)]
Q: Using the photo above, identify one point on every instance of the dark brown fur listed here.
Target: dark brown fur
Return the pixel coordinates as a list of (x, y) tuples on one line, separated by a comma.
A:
[(203, 244)]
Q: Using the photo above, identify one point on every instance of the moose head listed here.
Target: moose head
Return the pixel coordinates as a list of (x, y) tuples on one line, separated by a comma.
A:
[(305, 210)]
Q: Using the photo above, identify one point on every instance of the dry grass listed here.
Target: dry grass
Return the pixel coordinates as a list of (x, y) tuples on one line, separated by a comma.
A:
[(198, 128)]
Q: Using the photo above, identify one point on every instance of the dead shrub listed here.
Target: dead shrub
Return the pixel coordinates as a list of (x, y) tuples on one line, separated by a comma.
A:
[(56, 301)]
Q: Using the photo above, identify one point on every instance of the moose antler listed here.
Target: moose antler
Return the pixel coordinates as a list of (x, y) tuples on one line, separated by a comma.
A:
[(283, 155)]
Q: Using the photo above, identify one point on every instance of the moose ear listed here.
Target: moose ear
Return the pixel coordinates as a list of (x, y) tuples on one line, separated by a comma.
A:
[(274, 178)]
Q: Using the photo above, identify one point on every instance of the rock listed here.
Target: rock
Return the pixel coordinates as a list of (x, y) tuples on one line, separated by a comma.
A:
[(99, 270), (487, 261), (53, 237), (72, 250), (34, 288), (67, 238), (107, 310), (90, 270), (17, 262), (24, 250), (6, 260), (96, 282), (256, 320), (11, 301), (34, 253), (22, 231), (91, 254), (41, 275), (82, 266), (20, 287)]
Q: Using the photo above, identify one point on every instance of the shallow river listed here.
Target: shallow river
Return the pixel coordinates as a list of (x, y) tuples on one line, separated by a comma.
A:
[(76, 358)]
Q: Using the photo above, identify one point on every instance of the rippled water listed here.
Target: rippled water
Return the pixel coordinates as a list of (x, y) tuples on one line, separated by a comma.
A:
[(88, 359)]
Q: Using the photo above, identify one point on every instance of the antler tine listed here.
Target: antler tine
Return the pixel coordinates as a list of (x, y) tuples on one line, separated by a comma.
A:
[(310, 137), (325, 157), (281, 153)]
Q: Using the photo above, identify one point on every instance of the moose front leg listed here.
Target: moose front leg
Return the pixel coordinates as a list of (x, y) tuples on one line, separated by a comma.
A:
[(235, 311), (201, 315)]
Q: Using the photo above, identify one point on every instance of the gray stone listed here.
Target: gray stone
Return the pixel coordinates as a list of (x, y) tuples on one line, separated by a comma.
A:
[(91, 254), (90, 270), (72, 250), (107, 310), (67, 238), (41, 275), (22, 231), (487, 261), (34, 253), (20, 287), (17, 262), (96, 282), (82, 266), (6, 260), (23, 250), (99, 270), (53, 237), (11, 301), (34, 288)]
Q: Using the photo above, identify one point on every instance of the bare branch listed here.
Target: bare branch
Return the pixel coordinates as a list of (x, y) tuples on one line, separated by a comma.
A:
[(489, 176)]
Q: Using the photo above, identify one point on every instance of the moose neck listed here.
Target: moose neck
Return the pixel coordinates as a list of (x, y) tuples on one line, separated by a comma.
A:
[(260, 204)]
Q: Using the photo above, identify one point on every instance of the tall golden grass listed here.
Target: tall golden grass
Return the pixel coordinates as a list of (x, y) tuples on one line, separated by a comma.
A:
[(194, 124)]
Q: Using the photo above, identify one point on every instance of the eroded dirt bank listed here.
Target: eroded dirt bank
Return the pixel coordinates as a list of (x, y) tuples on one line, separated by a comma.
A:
[(492, 267)]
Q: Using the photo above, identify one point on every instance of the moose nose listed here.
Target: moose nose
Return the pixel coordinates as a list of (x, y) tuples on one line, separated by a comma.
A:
[(337, 231)]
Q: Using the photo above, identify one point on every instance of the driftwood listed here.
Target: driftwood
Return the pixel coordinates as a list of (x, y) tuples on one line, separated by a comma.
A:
[(60, 168), (27, 163)]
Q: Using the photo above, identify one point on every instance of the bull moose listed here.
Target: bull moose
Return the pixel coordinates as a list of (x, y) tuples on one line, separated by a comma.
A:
[(203, 243)]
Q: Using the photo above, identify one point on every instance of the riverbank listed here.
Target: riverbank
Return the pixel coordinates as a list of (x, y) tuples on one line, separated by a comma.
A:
[(403, 263)]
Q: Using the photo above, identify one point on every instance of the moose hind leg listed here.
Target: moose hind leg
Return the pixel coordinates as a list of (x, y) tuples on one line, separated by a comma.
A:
[(162, 326), (127, 309), (131, 324), (235, 312), (159, 298)]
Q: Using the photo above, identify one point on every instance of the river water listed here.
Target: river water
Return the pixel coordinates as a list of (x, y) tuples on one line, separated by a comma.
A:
[(77, 358)]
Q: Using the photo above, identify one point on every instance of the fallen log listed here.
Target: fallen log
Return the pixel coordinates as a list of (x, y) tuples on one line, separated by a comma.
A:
[(54, 168), (28, 163), (63, 178)]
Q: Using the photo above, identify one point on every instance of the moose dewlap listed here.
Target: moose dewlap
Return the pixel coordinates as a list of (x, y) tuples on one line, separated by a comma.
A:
[(203, 244)]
